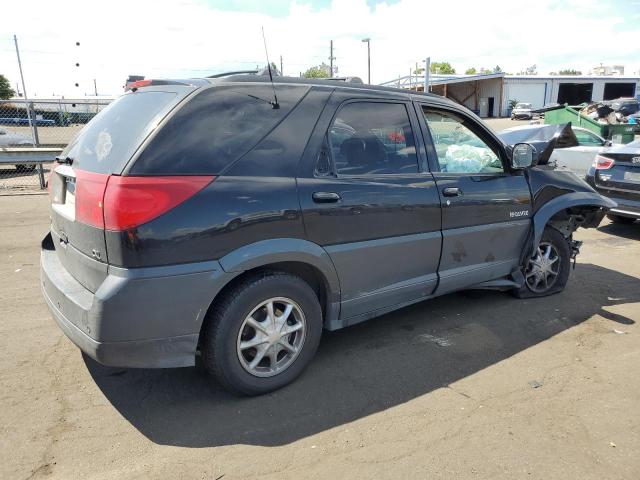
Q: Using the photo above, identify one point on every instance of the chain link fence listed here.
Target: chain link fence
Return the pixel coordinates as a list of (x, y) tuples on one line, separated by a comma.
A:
[(32, 133)]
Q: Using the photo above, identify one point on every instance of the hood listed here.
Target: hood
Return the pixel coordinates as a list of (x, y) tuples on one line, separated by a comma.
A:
[(544, 138)]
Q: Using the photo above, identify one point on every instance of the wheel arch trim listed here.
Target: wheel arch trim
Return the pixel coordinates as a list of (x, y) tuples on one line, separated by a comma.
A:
[(558, 204), (268, 252)]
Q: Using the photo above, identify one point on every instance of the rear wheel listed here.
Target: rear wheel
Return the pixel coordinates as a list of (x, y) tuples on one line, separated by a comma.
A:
[(262, 334), (547, 271), (620, 219)]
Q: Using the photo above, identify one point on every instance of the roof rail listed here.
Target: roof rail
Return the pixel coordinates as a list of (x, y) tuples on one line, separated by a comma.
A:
[(227, 74)]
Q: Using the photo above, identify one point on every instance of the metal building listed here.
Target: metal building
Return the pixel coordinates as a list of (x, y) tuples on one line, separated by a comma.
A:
[(489, 95), (573, 90)]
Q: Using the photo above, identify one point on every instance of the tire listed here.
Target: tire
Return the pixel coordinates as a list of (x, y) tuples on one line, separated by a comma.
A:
[(228, 326), (539, 283), (620, 219)]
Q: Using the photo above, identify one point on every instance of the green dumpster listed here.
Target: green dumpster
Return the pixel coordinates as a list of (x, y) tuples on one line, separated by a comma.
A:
[(620, 133)]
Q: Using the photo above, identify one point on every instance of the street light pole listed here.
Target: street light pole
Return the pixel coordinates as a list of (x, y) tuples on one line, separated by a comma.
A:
[(368, 42)]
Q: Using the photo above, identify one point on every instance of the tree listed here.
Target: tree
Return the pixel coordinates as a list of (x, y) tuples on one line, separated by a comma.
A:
[(321, 71), (6, 92), (470, 71), (442, 67), (569, 71), (497, 69)]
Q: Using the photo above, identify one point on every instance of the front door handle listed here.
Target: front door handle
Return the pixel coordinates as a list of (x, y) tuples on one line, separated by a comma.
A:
[(325, 197), (452, 192)]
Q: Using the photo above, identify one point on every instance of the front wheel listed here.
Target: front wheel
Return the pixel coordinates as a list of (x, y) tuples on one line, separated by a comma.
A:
[(262, 334), (547, 271)]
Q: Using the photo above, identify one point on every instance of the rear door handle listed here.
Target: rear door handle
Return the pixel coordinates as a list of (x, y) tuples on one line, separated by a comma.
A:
[(452, 192), (325, 197)]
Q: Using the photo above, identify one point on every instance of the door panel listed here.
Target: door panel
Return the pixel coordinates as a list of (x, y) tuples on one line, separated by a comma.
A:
[(366, 199), (485, 208), (383, 237), (484, 228)]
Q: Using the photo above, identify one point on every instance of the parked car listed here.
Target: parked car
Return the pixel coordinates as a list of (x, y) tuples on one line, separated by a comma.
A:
[(232, 219), (522, 111), (12, 139), (576, 157), (616, 174)]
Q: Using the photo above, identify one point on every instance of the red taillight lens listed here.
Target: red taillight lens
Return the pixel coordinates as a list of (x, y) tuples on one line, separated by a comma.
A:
[(132, 201), (603, 163), (90, 188)]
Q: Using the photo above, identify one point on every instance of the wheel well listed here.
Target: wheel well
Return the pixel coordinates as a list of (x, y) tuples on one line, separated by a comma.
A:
[(567, 220), (308, 273)]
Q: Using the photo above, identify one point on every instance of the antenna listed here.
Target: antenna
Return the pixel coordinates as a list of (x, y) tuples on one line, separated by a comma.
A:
[(275, 103)]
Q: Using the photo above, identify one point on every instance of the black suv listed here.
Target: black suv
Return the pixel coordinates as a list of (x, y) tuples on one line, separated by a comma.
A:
[(233, 219)]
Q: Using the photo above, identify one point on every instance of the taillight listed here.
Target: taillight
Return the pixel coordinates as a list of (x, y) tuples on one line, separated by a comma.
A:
[(132, 201), (90, 188), (603, 163)]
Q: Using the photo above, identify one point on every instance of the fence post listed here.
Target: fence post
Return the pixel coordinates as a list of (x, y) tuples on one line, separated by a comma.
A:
[(36, 139)]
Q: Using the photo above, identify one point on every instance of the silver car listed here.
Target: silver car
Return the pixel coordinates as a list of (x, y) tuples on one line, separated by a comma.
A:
[(522, 111)]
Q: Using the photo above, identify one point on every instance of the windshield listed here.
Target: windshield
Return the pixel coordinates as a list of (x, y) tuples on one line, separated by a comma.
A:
[(109, 140), (523, 105)]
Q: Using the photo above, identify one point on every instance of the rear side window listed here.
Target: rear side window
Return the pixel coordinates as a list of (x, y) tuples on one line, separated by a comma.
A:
[(373, 138), (587, 139), (215, 128), (109, 140)]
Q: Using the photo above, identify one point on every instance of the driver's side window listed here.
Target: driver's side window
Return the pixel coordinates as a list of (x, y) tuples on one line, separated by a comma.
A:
[(372, 138), (459, 149)]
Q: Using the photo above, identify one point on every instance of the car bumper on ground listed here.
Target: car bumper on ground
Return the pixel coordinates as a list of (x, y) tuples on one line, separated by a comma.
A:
[(145, 318)]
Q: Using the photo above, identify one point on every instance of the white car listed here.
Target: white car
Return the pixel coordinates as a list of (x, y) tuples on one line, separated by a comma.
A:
[(522, 111), (12, 139), (577, 159)]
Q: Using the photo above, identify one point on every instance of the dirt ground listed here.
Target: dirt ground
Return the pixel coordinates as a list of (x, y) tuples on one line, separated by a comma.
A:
[(474, 385)]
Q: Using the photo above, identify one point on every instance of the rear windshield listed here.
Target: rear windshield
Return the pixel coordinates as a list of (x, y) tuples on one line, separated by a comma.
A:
[(215, 128), (109, 140)]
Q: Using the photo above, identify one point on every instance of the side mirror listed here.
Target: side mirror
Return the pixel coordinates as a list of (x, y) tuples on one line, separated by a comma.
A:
[(608, 143), (522, 156)]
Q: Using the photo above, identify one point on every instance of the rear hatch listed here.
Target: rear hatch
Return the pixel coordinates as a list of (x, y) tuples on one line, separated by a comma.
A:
[(622, 174), (77, 184)]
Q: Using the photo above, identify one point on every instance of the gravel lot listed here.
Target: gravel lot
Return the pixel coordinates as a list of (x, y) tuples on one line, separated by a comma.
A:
[(472, 385)]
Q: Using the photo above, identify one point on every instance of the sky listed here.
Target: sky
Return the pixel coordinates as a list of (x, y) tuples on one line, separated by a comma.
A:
[(187, 38)]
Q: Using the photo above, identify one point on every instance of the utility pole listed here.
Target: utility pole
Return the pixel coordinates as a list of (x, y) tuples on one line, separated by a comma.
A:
[(24, 92), (427, 68), (281, 69), (331, 59), (368, 42), (95, 87)]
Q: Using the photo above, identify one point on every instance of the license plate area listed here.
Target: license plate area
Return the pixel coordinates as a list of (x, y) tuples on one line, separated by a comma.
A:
[(632, 176), (63, 192)]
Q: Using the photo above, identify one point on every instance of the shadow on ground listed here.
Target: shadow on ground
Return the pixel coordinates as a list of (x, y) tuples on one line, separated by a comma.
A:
[(363, 369), (630, 232)]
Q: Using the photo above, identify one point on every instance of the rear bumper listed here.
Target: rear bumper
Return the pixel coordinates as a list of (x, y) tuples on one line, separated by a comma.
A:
[(627, 207), (145, 318)]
